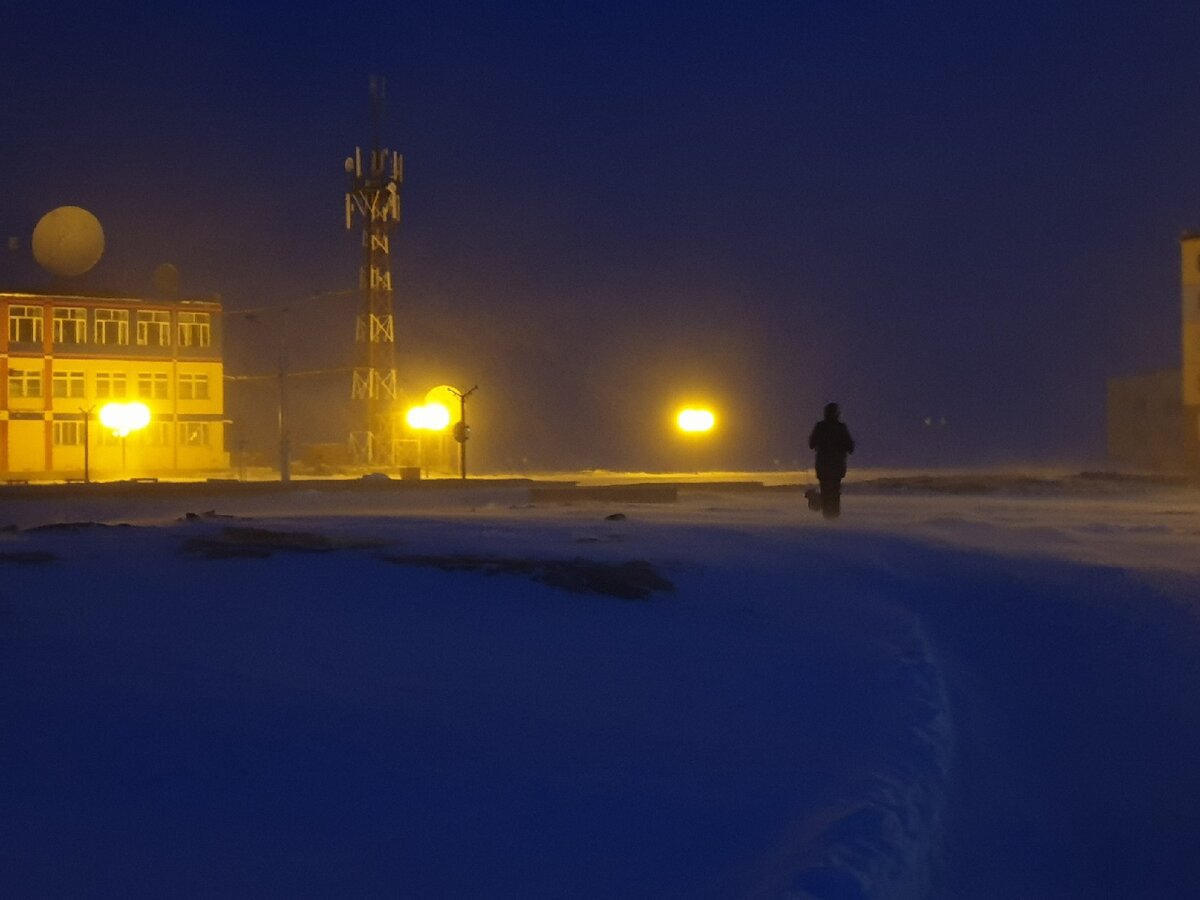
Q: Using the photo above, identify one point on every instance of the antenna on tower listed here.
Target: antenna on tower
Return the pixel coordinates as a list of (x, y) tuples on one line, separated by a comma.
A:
[(378, 88)]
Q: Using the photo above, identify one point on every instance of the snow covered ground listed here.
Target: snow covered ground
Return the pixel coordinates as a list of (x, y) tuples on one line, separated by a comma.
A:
[(973, 688)]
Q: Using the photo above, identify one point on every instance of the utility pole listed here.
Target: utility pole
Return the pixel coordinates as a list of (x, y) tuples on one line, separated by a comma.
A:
[(285, 468), (252, 315), (87, 444)]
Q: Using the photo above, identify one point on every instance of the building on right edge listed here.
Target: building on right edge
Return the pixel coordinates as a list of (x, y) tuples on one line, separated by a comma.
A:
[(1154, 418), (1189, 246)]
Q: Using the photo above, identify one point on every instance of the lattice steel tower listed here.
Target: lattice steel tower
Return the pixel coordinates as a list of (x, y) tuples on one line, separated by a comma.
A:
[(374, 196)]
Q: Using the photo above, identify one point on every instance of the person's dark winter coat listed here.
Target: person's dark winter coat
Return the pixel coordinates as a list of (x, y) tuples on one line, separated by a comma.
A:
[(831, 439)]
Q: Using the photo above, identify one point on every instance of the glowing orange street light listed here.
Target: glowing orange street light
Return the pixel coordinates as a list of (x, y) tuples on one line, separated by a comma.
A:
[(122, 418), (695, 421), (439, 413), (430, 417), (437, 416), (415, 417)]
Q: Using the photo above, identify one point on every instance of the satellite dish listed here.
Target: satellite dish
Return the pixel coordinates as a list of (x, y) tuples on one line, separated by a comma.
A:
[(166, 279), (68, 241)]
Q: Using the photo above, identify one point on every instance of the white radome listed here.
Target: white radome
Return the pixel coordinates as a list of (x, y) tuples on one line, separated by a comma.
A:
[(166, 278), (68, 241)]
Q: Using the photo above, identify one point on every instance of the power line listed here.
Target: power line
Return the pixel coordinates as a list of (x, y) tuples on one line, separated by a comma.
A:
[(342, 370), (284, 307)]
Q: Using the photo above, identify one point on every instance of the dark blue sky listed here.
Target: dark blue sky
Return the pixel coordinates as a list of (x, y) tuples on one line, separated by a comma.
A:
[(956, 210)]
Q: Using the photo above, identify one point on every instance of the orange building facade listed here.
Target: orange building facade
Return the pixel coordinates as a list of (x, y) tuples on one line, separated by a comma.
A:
[(64, 357)]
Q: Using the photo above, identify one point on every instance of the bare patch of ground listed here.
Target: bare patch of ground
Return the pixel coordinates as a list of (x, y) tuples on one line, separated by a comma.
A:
[(633, 580), (241, 541)]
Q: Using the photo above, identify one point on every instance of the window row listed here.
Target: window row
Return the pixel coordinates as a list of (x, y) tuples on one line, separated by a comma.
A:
[(156, 434), (152, 328), (109, 385)]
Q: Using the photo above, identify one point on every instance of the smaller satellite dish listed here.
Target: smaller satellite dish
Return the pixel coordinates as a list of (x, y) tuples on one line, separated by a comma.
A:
[(166, 279), (68, 241)]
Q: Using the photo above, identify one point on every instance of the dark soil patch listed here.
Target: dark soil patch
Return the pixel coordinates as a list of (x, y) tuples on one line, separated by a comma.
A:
[(257, 543), (72, 527), (27, 557), (633, 580)]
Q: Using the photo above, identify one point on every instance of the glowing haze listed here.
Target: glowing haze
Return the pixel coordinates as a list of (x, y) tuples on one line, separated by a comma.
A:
[(948, 213)]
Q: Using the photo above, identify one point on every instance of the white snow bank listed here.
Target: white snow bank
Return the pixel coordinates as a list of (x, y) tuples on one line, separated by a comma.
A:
[(790, 718)]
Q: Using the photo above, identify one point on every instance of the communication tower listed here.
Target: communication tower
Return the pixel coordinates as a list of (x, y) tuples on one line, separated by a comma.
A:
[(374, 197)]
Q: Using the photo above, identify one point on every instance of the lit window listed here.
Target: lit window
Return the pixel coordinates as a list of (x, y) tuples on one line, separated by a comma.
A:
[(68, 434), (152, 385), (67, 384), (153, 328), (24, 382), (25, 324), (112, 326), (193, 387), (193, 434), (110, 384), (195, 329), (70, 325)]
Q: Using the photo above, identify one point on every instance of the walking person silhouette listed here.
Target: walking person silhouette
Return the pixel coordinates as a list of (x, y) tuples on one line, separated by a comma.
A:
[(831, 439)]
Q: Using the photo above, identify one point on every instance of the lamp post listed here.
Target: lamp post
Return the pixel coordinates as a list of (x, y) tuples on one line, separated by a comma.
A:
[(122, 418), (285, 467), (87, 444), (432, 417), (435, 416), (462, 431), (696, 422)]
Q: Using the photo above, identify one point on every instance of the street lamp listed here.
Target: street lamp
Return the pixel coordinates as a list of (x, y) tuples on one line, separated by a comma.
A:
[(122, 418), (695, 421), (696, 425), (433, 417), (462, 431), (430, 417)]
